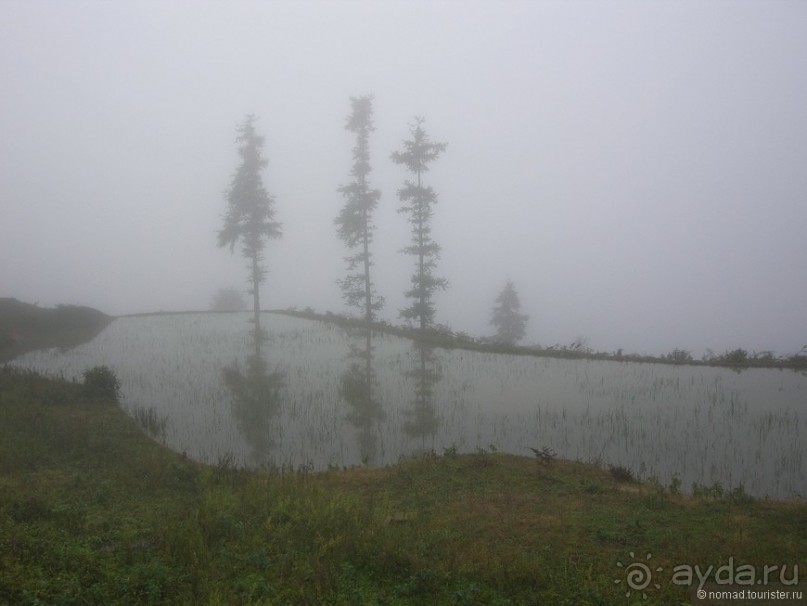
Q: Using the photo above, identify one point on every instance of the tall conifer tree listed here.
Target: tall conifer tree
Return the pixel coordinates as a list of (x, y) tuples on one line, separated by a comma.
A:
[(250, 211), (418, 200), (355, 221)]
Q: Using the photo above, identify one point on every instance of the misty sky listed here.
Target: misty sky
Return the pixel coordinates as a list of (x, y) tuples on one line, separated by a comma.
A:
[(638, 169)]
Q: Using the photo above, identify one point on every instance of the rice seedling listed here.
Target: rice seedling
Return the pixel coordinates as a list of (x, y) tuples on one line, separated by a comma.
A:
[(698, 424)]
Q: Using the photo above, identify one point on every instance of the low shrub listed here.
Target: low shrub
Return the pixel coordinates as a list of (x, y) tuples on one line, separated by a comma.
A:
[(680, 356), (100, 383), (736, 356)]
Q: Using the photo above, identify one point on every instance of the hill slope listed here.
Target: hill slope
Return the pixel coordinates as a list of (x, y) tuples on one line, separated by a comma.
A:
[(25, 327)]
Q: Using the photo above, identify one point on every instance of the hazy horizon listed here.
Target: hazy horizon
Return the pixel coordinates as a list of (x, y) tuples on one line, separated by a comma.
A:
[(639, 170)]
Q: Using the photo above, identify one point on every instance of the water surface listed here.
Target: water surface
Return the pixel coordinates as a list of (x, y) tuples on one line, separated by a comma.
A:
[(313, 398)]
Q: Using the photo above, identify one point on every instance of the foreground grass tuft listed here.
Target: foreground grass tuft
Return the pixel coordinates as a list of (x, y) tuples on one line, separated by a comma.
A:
[(94, 512)]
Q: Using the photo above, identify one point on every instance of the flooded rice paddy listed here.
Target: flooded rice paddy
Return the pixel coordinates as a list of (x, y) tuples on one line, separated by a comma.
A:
[(311, 397)]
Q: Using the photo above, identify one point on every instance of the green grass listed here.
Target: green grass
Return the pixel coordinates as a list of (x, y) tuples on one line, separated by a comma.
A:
[(94, 512)]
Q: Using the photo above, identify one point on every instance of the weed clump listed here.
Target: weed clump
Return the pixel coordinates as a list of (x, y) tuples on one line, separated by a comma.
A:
[(622, 474), (101, 383), (545, 455)]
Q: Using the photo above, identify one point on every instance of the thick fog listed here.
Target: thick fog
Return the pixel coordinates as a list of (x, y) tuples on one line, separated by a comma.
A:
[(638, 169)]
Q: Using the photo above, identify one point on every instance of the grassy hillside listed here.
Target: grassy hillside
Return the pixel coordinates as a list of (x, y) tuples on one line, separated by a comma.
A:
[(93, 512), (25, 327)]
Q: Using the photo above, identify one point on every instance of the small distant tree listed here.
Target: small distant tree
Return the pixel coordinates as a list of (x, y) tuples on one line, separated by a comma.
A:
[(418, 200), (250, 210), (510, 324), (228, 299), (355, 221)]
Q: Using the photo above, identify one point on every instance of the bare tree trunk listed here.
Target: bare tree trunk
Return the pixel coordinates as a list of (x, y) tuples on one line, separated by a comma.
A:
[(256, 302), (368, 304), (420, 261)]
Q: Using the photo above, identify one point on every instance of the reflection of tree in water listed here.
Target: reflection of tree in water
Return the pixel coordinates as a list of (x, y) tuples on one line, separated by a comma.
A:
[(422, 420), (357, 388), (256, 400)]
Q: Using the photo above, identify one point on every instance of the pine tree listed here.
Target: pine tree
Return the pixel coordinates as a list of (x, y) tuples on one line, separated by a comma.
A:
[(418, 201), (250, 210), (506, 317), (354, 223)]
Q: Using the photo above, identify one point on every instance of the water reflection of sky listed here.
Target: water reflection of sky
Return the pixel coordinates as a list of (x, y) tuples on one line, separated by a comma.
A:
[(702, 424)]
